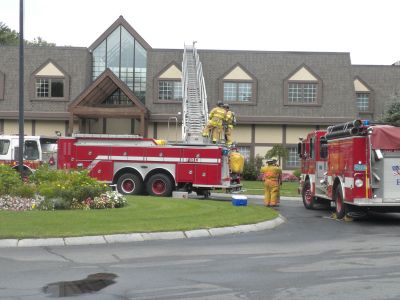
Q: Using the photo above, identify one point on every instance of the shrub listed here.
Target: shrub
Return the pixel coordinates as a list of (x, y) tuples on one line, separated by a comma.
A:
[(251, 168), (297, 173), (25, 190), (9, 179)]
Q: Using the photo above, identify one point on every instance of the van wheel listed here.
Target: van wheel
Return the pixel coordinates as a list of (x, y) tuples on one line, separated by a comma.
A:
[(130, 184), (308, 198), (159, 185), (340, 205)]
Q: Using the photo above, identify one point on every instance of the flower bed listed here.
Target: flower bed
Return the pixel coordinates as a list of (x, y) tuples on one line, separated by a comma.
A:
[(55, 189)]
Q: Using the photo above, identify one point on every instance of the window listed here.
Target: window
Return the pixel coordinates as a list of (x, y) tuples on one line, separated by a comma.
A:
[(31, 151), (245, 151), (4, 145), (303, 87), (238, 86), (118, 98), (234, 91), (49, 88), (302, 93), (125, 56), (293, 160), (363, 101), (49, 82), (169, 90)]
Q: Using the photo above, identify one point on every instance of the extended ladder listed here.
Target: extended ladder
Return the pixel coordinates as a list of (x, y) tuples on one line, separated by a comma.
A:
[(194, 105)]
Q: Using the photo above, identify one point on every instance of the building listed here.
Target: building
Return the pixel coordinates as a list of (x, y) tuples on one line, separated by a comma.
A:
[(120, 84)]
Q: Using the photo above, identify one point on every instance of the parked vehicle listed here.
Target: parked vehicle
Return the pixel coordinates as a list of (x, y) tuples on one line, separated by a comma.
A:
[(37, 150), (354, 165), (136, 165)]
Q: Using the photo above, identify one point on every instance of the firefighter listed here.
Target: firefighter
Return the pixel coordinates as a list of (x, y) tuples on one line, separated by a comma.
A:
[(272, 182), (230, 121), (214, 124)]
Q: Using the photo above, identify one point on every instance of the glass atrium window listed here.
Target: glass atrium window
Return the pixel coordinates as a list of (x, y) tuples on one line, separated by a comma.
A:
[(363, 101), (125, 57), (118, 98)]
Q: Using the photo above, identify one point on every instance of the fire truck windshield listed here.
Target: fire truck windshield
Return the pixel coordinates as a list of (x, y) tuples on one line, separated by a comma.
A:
[(4, 145)]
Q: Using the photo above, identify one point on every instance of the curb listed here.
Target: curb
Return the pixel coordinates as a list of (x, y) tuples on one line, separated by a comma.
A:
[(140, 237)]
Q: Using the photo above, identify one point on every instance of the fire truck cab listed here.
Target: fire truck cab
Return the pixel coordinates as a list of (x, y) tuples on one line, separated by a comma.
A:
[(354, 165), (37, 149)]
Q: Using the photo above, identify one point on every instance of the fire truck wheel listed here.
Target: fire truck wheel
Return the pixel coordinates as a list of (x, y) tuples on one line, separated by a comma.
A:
[(159, 185), (130, 184), (308, 198), (340, 205)]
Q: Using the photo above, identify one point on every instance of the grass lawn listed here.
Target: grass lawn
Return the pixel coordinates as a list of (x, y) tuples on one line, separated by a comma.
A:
[(142, 214), (257, 188)]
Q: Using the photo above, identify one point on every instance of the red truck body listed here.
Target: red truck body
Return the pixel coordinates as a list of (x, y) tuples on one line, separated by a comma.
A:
[(353, 165), (136, 165)]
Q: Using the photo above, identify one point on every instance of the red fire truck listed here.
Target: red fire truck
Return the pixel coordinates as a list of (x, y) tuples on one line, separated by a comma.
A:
[(136, 165), (354, 165)]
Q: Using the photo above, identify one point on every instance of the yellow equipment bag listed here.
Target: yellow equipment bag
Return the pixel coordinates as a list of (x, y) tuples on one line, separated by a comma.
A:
[(236, 162)]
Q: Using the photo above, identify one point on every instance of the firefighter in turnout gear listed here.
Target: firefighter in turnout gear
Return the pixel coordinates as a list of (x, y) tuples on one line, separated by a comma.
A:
[(215, 120), (229, 122), (272, 182)]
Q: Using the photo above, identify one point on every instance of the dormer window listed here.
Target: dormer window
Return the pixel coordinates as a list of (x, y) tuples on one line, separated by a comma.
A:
[(169, 84), (238, 86), (303, 87), (50, 82)]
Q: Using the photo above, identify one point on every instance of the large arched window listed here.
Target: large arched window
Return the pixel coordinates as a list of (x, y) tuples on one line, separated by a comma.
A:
[(119, 50)]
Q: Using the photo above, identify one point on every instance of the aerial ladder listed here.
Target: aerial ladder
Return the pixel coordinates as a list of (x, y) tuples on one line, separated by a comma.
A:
[(194, 102)]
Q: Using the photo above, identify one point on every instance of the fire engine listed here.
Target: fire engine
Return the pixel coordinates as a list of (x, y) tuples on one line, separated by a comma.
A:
[(136, 165), (37, 150), (354, 165)]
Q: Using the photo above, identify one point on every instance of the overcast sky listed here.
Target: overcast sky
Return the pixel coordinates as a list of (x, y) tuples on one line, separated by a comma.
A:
[(368, 29)]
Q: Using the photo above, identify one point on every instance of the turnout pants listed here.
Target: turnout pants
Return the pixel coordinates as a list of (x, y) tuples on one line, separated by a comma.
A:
[(271, 192)]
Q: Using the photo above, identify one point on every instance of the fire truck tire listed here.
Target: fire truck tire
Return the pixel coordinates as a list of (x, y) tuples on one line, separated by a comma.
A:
[(130, 184), (159, 185), (340, 205), (308, 198)]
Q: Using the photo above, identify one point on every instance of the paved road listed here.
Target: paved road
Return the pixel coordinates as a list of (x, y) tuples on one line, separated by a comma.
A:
[(309, 257)]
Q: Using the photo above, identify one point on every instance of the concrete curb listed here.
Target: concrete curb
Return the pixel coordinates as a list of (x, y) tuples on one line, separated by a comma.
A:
[(140, 237)]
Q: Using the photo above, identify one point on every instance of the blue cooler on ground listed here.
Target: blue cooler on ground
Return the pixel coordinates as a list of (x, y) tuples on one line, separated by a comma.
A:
[(239, 200)]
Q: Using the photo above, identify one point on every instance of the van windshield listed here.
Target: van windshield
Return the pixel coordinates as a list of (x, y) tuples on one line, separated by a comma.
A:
[(4, 145)]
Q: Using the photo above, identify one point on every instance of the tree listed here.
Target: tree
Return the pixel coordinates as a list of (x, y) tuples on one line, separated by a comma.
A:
[(7, 36), (277, 151), (40, 42), (392, 115)]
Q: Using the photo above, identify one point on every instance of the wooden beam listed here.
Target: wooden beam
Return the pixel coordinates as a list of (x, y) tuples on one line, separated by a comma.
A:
[(96, 112)]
